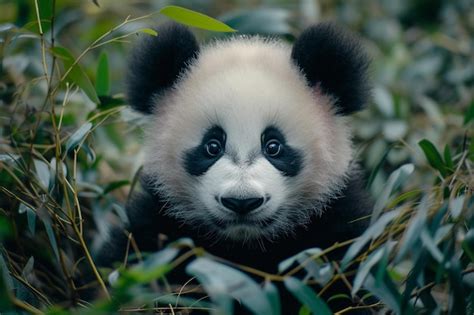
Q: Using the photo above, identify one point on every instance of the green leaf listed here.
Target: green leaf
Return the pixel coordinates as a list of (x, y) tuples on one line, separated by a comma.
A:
[(102, 76), (45, 8), (195, 19), (376, 169), (386, 291), (5, 228), (304, 310), (148, 31), (52, 238), (115, 185), (457, 294), (412, 233), (28, 267), (468, 244), (30, 216), (6, 285), (7, 278), (430, 245), (448, 159), (78, 136), (433, 156), (288, 262), (367, 265), (469, 114), (153, 267), (273, 297), (471, 150), (456, 206), (396, 179), (43, 173), (9, 158), (306, 296), (221, 282), (91, 156), (372, 232), (76, 75)]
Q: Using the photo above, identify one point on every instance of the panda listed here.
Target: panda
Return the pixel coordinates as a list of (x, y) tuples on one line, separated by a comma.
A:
[(248, 147)]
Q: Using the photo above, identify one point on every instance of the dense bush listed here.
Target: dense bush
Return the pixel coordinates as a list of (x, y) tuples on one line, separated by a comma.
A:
[(70, 149)]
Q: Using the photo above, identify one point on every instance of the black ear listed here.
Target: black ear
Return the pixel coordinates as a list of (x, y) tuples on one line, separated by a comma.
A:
[(156, 63), (334, 61)]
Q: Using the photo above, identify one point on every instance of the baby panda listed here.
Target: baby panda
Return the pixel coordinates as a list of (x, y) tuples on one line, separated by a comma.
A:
[(248, 149)]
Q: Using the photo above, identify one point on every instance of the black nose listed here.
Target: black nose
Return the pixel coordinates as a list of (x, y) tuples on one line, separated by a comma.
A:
[(242, 206)]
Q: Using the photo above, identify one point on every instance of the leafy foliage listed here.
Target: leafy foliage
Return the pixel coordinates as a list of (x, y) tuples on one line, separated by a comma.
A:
[(68, 159)]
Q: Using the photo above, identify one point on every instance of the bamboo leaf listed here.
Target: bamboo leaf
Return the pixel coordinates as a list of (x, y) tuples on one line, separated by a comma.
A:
[(371, 233), (365, 267), (78, 136), (76, 75), (153, 267), (102, 76), (45, 8), (448, 159), (115, 185), (431, 246), (306, 296), (6, 285), (195, 19), (468, 244), (273, 297), (457, 294), (412, 233), (469, 114), (28, 267), (386, 292), (287, 263), (30, 217), (148, 31), (222, 282), (396, 179), (433, 156), (52, 238)]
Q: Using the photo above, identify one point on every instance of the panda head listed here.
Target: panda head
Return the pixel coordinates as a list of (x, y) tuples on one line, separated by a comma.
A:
[(248, 137)]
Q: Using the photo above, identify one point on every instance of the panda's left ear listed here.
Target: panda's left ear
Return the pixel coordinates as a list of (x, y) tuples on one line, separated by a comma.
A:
[(334, 61), (157, 62)]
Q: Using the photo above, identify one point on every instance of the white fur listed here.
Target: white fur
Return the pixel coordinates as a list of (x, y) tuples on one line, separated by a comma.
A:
[(245, 85)]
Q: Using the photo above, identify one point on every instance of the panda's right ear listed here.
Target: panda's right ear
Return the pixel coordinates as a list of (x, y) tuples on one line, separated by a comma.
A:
[(156, 63)]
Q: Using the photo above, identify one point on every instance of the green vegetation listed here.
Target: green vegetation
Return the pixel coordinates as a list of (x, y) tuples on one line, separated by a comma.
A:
[(70, 149)]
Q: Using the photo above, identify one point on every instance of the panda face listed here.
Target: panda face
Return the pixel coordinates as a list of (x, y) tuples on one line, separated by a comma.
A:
[(242, 147), (242, 184)]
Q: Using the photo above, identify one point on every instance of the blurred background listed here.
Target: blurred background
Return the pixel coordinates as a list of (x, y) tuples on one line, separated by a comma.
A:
[(422, 71), (422, 51)]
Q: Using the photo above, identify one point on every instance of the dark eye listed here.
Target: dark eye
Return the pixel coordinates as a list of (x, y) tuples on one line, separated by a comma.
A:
[(273, 148), (213, 147)]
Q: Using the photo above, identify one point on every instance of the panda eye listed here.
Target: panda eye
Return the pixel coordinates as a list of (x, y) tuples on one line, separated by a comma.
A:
[(273, 148), (213, 148)]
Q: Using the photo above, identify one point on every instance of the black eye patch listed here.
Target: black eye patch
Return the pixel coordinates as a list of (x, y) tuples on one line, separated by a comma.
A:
[(289, 160), (197, 160)]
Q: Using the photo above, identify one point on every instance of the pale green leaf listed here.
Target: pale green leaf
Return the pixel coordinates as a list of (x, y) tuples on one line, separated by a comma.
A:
[(195, 19), (102, 76), (221, 282), (306, 296), (76, 75)]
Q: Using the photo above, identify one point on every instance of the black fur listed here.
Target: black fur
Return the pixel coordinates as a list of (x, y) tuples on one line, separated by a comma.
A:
[(334, 61), (338, 223), (289, 161), (157, 62), (196, 160)]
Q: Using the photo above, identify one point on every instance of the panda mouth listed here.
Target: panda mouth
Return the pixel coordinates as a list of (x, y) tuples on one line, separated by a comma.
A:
[(244, 221)]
